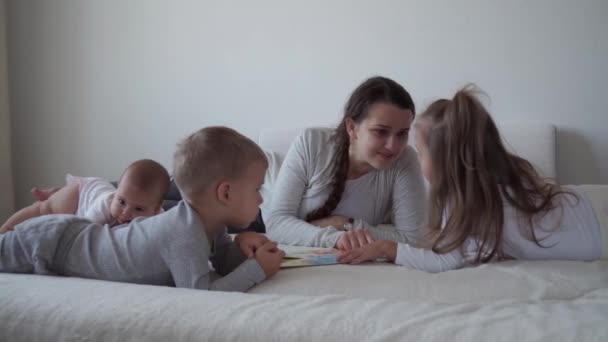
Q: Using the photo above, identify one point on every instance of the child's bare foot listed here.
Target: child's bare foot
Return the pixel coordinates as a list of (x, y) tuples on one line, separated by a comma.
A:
[(43, 194)]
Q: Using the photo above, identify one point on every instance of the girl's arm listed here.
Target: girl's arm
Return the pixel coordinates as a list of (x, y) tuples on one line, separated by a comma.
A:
[(427, 260), (406, 255)]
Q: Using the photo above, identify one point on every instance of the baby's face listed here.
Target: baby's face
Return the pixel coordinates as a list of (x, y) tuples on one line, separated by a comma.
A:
[(130, 202), (247, 198)]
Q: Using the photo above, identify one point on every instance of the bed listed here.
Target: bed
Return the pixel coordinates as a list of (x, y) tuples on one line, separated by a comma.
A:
[(506, 301)]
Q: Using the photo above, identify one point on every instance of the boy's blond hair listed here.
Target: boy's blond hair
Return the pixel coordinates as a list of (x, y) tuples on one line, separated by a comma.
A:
[(212, 154), (148, 174)]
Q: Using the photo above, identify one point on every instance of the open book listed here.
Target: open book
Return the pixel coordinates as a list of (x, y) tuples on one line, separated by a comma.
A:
[(311, 258)]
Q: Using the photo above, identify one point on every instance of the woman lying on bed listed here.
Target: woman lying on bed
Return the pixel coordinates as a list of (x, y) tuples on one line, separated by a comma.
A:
[(336, 187), (487, 204)]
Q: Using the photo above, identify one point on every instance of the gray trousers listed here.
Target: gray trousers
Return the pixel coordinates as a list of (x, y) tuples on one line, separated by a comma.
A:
[(39, 245)]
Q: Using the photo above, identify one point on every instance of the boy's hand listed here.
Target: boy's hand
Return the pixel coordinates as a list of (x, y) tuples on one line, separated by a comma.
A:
[(249, 242), (270, 258)]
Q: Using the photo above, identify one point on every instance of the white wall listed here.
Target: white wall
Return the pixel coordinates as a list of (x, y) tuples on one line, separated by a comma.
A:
[(6, 178), (97, 84)]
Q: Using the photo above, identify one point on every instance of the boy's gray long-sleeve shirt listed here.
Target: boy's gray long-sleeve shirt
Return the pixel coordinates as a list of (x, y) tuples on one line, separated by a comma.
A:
[(167, 249)]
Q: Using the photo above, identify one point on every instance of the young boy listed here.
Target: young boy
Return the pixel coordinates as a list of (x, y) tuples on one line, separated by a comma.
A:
[(219, 173), (140, 192)]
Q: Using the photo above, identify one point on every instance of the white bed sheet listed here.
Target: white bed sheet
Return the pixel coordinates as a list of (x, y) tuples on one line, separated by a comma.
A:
[(514, 280), (41, 308)]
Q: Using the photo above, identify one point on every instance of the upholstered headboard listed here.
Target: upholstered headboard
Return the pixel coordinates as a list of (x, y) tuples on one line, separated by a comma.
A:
[(532, 141)]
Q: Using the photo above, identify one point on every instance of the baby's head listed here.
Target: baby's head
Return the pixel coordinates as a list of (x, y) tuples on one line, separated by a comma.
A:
[(220, 168), (140, 192)]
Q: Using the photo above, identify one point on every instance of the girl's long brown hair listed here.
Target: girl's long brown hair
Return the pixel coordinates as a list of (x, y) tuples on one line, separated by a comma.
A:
[(472, 174), (372, 91)]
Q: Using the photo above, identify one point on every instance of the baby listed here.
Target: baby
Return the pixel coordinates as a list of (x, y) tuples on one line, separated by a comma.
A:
[(140, 192)]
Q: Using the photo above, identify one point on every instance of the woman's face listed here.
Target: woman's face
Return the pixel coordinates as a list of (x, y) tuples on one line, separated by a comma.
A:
[(378, 140)]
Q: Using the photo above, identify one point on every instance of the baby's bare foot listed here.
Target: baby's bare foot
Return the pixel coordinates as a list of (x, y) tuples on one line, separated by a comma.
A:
[(43, 194)]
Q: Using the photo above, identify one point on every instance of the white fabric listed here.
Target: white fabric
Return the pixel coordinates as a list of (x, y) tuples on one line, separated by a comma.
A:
[(275, 160), (565, 301), (391, 196), (598, 196), (94, 198), (513, 280)]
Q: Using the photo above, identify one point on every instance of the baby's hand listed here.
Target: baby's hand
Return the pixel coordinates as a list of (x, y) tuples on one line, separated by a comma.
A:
[(249, 242), (270, 258)]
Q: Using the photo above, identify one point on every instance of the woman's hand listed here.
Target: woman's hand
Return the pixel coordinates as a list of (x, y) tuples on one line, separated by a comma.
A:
[(378, 249), (354, 239), (335, 221)]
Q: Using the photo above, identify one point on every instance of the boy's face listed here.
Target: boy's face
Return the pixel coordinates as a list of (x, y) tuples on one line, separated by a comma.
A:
[(246, 198), (130, 202)]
